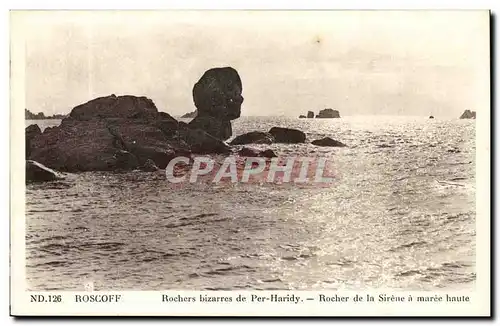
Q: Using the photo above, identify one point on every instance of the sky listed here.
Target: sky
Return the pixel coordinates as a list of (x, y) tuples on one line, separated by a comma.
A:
[(358, 62)]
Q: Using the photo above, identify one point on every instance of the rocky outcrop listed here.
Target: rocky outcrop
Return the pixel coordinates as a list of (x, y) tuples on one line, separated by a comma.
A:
[(125, 160), (287, 135), (268, 153), (431, 117), (201, 142), (327, 141), (149, 166), (189, 115), (30, 133), (217, 97), (253, 137), (36, 172), (328, 113), (468, 114), (76, 146), (302, 116), (310, 114), (28, 115), (251, 152)]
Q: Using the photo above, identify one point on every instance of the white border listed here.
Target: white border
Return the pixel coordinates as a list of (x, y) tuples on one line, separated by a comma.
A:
[(220, 5)]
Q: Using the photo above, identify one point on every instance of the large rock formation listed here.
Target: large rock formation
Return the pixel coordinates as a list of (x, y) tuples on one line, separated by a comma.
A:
[(253, 137), (287, 135), (36, 172), (327, 141), (468, 114), (252, 152), (149, 166), (190, 115), (217, 97), (328, 113), (123, 132), (201, 142), (218, 128), (310, 114)]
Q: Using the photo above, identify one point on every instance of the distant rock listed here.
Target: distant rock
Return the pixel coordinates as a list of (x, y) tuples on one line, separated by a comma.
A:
[(31, 132), (327, 141), (190, 115), (217, 97), (431, 117), (125, 160), (253, 137), (287, 135), (302, 116), (36, 172), (251, 152), (328, 113), (310, 114), (468, 114), (149, 166)]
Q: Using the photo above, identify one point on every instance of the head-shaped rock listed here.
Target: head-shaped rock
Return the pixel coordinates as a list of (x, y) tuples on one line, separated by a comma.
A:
[(218, 94)]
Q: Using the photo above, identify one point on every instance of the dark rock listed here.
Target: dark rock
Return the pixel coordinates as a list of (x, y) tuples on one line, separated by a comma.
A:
[(217, 97), (201, 142), (268, 153), (169, 128), (431, 117), (302, 116), (310, 114), (220, 129), (253, 137), (164, 116), (36, 172), (468, 114), (149, 166), (328, 113), (252, 152), (125, 160), (190, 115), (145, 141), (287, 135), (327, 141), (218, 94), (31, 132), (124, 132)]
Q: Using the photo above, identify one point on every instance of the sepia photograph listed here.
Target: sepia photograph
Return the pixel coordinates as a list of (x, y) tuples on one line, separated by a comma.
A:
[(251, 150)]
